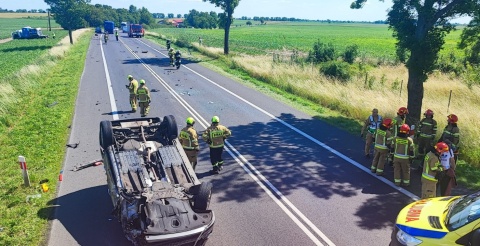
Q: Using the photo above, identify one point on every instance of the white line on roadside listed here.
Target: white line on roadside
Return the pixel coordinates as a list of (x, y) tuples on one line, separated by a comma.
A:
[(109, 85), (229, 148), (360, 166)]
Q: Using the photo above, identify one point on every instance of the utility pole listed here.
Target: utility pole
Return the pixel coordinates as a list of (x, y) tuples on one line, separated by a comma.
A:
[(49, 26)]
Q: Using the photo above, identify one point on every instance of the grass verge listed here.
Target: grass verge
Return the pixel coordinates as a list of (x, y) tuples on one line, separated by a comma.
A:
[(345, 105), (39, 131)]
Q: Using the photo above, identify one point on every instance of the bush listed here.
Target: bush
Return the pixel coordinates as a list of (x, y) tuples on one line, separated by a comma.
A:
[(351, 53), (337, 69), (321, 53)]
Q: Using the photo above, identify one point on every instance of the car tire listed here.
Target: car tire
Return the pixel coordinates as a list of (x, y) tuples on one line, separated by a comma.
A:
[(106, 134), (171, 128), (475, 240), (201, 200)]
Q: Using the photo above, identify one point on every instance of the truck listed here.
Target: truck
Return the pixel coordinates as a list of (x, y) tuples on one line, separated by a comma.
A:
[(136, 30), (124, 27), (155, 193), (28, 33), (108, 26)]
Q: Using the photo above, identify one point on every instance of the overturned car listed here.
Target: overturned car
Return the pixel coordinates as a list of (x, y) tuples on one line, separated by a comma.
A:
[(156, 195)]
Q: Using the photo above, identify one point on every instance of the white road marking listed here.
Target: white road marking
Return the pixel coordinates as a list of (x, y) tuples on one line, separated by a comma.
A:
[(109, 85), (229, 148)]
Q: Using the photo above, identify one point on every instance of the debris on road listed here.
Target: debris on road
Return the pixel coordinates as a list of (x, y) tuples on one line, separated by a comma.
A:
[(32, 197), (144, 51), (73, 146), (89, 164)]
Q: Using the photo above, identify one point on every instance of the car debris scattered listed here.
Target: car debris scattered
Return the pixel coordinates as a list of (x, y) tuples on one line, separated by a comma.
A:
[(89, 164), (73, 146)]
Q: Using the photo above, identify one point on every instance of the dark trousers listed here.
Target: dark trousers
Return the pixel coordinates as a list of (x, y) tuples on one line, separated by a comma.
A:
[(216, 156)]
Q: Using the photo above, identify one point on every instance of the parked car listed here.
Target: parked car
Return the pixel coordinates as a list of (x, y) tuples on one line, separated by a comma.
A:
[(452, 220), (156, 195)]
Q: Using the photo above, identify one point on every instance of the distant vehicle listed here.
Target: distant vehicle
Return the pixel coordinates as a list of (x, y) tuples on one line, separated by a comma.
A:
[(28, 33), (155, 192), (98, 30), (124, 27), (136, 30), (108, 26)]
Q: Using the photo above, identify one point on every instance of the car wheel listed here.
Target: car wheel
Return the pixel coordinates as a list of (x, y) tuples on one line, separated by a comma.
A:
[(202, 199), (475, 241), (106, 134), (171, 128)]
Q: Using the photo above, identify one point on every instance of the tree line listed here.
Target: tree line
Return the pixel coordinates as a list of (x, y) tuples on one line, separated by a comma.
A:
[(22, 11)]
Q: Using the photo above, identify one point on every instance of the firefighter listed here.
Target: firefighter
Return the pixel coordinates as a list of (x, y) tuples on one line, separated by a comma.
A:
[(431, 168), (143, 95), (189, 140), (132, 88), (168, 44), (371, 124), (383, 138), (451, 134), (215, 136), (171, 53), (397, 122), (403, 152), (447, 180), (105, 36), (425, 133), (116, 34)]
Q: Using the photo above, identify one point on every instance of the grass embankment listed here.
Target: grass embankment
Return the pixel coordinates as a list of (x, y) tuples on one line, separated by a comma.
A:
[(353, 101), (37, 128)]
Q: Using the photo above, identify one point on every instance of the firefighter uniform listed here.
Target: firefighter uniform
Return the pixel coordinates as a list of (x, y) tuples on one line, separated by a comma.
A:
[(403, 151), (171, 53), (397, 122), (371, 124), (430, 169), (427, 129), (215, 136), (143, 95), (132, 88), (383, 138), (451, 136), (189, 140)]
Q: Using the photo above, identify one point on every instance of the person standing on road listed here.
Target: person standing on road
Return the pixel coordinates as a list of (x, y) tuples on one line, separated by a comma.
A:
[(189, 140), (426, 131), (143, 94), (371, 124), (447, 180), (399, 120), (132, 88), (116, 34), (451, 134), (215, 136), (403, 152), (171, 53), (383, 138), (430, 169)]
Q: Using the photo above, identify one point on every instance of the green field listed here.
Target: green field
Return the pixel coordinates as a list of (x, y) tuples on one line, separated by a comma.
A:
[(374, 40), (8, 25)]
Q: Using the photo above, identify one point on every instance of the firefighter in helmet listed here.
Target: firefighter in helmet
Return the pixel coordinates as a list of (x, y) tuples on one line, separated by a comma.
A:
[(383, 138), (143, 95), (403, 152), (189, 140), (371, 124), (425, 134), (132, 88), (397, 122), (451, 134), (431, 168), (171, 53), (215, 136)]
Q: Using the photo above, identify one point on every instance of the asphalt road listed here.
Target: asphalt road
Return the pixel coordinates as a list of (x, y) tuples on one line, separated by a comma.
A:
[(289, 179)]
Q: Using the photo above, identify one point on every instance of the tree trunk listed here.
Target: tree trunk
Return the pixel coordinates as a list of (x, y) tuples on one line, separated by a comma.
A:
[(415, 96), (70, 35), (225, 40)]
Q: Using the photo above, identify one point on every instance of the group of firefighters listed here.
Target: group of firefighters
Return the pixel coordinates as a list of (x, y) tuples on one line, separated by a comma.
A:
[(395, 142), (214, 135)]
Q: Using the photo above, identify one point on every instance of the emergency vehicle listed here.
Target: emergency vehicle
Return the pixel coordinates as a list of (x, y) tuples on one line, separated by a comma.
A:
[(452, 220)]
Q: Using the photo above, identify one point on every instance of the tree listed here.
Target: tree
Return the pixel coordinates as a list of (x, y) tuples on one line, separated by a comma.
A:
[(170, 15), (69, 14), (228, 6), (470, 41), (420, 28)]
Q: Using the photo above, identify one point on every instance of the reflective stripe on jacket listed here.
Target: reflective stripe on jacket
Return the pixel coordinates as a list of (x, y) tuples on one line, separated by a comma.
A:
[(382, 139), (431, 166), (133, 87), (372, 124), (427, 128), (402, 147), (215, 135), (451, 133), (143, 94)]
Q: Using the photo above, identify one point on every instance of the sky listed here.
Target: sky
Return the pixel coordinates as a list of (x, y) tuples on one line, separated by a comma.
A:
[(301, 9)]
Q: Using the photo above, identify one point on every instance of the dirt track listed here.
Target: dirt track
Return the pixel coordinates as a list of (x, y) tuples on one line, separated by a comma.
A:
[(5, 40)]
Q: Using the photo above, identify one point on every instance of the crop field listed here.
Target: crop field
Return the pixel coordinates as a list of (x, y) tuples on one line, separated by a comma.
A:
[(8, 25), (374, 40), (21, 52)]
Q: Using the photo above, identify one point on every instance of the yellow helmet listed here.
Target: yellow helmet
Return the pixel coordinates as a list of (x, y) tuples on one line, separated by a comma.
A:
[(142, 82), (215, 119), (190, 121)]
